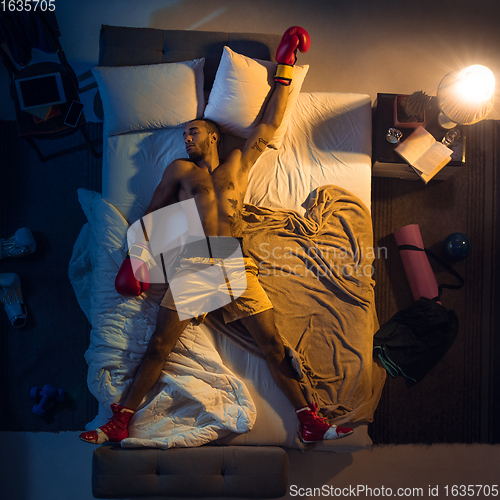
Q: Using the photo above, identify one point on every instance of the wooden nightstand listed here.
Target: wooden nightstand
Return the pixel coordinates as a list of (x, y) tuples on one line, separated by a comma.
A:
[(387, 163)]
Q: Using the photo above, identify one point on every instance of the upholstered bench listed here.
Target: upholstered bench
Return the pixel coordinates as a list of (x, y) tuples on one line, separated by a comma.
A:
[(207, 471)]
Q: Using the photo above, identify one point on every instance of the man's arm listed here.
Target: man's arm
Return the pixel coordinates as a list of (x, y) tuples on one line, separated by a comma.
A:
[(166, 192), (294, 38), (264, 132), (133, 276)]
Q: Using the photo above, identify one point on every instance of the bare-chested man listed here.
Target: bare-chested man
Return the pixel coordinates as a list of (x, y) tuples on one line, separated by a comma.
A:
[(218, 188)]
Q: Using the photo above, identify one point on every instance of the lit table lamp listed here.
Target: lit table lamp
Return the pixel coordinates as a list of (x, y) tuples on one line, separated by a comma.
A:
[(465, 96)]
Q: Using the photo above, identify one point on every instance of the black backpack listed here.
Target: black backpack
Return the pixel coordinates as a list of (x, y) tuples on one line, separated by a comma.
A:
[(412, 342)]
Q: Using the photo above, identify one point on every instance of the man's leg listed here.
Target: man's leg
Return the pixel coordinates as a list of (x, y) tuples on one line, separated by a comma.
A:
[(263, 329), (168, 330)]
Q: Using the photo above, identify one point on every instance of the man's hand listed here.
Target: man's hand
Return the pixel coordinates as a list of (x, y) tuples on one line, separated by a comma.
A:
[(133, 276), (294, 38)]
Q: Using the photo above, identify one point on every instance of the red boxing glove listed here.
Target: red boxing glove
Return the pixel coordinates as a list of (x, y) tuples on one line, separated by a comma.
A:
[(294, 38), (133, 276)]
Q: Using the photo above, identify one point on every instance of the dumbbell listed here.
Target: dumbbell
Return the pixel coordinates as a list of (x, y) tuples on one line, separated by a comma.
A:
[(49, 396), (20, 244)]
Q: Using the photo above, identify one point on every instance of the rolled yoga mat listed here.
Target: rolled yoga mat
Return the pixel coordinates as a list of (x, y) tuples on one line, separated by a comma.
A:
[(417, 267)]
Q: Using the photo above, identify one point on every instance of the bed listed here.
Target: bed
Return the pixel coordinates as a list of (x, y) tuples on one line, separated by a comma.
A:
[(307, 224)]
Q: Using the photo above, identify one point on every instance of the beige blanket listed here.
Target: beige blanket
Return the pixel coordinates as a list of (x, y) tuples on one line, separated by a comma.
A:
[(317, 271)]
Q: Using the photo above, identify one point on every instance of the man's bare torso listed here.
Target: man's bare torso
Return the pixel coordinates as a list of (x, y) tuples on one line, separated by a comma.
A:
[(218, 195)]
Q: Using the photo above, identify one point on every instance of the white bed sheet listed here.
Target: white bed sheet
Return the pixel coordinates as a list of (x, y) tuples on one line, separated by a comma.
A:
[(328, 142)]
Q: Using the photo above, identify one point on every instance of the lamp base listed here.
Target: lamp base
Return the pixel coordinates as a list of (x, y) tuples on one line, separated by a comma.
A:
[(445, 122)]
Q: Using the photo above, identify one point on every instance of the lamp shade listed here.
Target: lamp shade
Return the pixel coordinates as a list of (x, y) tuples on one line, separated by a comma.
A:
[(466, 96)]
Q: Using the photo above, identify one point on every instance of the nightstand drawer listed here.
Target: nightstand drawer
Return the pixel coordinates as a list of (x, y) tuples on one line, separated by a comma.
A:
[(404, 171)]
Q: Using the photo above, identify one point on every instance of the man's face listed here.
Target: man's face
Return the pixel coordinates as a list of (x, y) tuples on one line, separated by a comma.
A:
[(196, 140)]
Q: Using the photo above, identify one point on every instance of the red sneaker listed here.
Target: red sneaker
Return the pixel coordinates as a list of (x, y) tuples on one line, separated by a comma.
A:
[(316, 428), (114, 431)]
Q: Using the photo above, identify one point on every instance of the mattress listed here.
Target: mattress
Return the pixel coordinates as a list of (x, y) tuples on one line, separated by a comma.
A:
[(328, 143)]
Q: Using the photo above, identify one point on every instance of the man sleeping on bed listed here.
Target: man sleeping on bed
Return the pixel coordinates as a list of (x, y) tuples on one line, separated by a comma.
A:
[(218, 188)]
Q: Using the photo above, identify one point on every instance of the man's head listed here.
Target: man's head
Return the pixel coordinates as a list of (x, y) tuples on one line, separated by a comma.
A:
[(199, 136)]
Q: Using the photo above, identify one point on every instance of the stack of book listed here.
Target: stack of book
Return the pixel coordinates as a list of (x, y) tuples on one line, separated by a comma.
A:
[(424, 154), (44, 113)]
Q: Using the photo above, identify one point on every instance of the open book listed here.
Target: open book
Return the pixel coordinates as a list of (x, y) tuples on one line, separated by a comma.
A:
[(426, 155)]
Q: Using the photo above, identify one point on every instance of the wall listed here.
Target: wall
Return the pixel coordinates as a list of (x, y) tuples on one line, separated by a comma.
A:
[(358, 45)]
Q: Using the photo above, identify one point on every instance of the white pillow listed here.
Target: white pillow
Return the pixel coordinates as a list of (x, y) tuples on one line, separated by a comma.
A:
[(240, 91), (150, 96)]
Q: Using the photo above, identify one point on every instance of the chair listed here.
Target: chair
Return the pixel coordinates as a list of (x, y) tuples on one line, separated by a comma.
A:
[(41, 30)]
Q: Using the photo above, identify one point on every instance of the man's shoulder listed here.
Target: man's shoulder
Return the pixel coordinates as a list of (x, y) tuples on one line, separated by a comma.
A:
[(234, 156), (180, 165), (182, 162)]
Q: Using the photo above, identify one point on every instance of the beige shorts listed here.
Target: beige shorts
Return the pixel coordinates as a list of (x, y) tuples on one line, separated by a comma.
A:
[(249, 301)]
